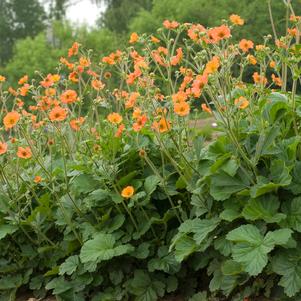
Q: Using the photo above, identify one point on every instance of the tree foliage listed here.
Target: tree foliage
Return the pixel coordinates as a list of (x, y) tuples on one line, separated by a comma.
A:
[(18, 19)]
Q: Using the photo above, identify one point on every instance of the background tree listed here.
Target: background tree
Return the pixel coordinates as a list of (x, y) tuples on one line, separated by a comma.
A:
[(209, 13), (119, 13), (18, 19)]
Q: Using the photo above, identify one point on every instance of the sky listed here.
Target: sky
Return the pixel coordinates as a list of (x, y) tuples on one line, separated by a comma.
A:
[(84, 12)]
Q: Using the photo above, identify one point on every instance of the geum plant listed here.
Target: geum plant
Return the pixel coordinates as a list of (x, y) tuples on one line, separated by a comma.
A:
[(110, 192)]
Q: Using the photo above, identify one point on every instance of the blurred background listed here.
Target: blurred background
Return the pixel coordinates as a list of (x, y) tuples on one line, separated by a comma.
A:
[(34, 34)]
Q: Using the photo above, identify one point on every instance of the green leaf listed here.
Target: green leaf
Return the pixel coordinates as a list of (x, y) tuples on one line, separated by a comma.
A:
[(54, 271), (231, 267), (251, 248), (142, 251), (203, 228), (202, 296), (223, 186), (167, 264), (151, 184), (226, 283), (171, 284), (225, 163), (295, 186), (116, 276), (99, 198), (266, 139), (7, 229), (200, 228), (293, 211), (145, 288), (84, 184), (288, 265), (102, 247), (263, 188), (279, 177), (276, 107), (223, 245), (278, 237), (10, 282), (58, 285), (184, 247), (127, 179), (229, 215), (265, 208), (69, 266), (114, 223), (280, 174)]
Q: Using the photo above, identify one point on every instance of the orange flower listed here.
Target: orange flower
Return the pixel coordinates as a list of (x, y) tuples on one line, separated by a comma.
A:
[(276, 80), (66, 63), (37, 179), (139, 124), (170, 24), (194, 31), (236, 20), (272, 64), (114, 118), (212, 66), (136, 113), (182, 108), (252, 60), (56, 77), (220, 33), (134, 38), (24, 90), (47, 81), (245, 45), (280, 44), (175, 60), (75, 124), (155, 40), (73, 50), (97, 84), (294, 18), (69, 96), (132, 100), (24, 152), (292, 31), (3, 148), (180, 96), (73, 76), (19, 103), (58, 114), (127, 192), (162, 126), (11, 119), (120, 130), (2, 78), (50, 92), (206, 109), (241, 102), (23, 80), (200, 81), (84, 61), (112, 58), (259, 79)]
